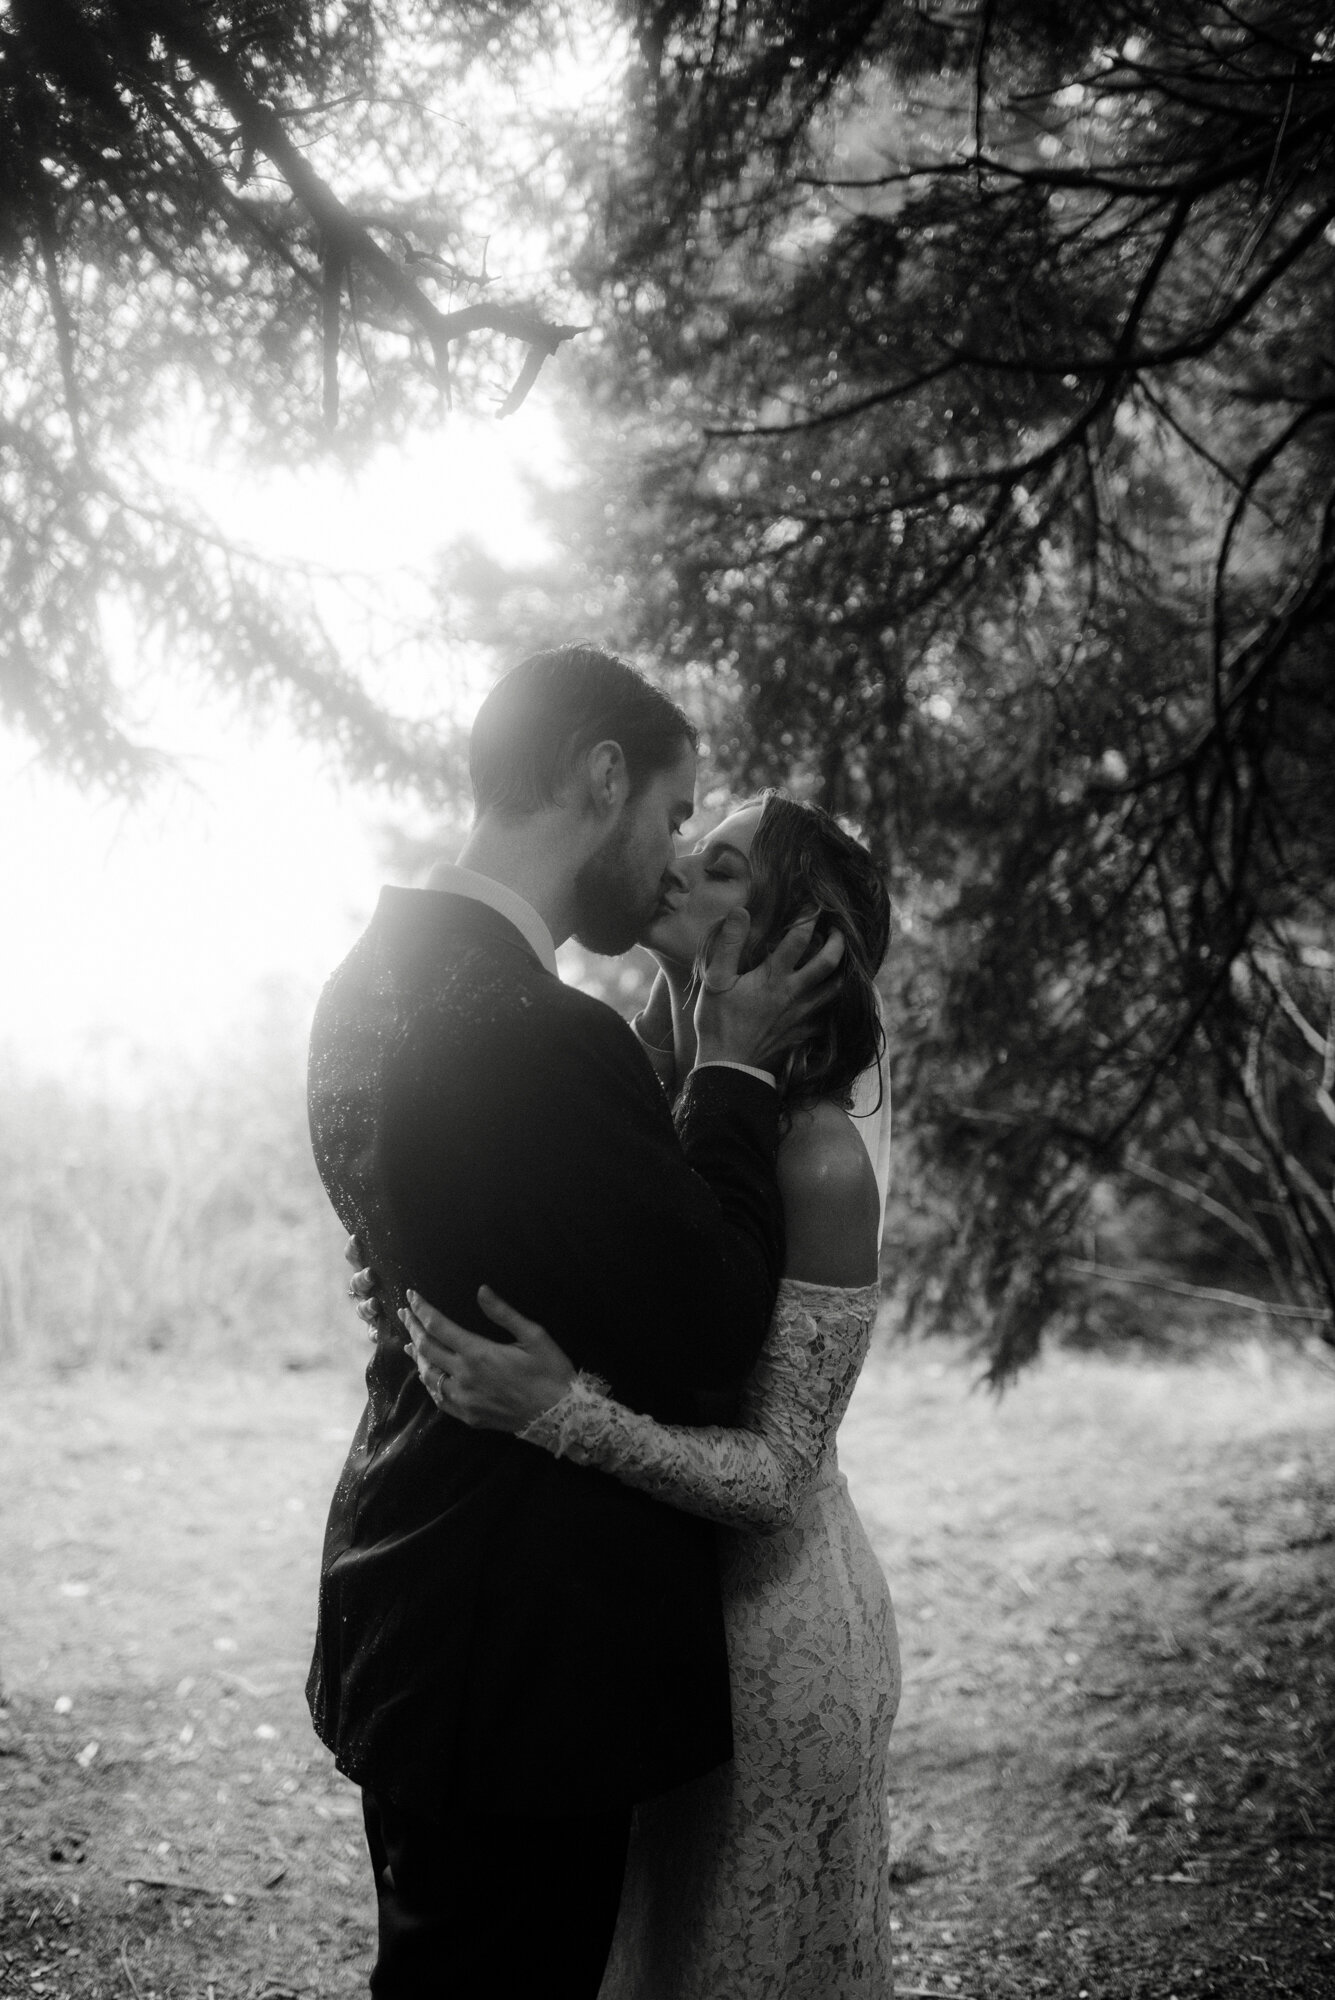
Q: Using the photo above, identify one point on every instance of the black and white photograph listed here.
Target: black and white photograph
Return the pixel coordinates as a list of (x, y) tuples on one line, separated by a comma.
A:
[(667, 1031)]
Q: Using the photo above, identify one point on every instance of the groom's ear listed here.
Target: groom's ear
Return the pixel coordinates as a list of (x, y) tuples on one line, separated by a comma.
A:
[(606, 778)]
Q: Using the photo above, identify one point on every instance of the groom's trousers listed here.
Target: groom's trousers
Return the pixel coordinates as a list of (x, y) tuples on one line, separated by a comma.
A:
[(489, 1906)]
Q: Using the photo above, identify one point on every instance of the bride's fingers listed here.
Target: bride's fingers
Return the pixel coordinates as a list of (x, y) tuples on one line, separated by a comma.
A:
[(435, 1382), (444, 1343), (430, 1317), (429, 1359), (496, 1309), (424, 1340)]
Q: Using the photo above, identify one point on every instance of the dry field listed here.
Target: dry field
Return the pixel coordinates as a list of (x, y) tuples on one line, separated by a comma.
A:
[(1113, 1778)]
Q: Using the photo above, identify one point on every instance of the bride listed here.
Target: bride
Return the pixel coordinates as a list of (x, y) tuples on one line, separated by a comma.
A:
[(767, 1879)]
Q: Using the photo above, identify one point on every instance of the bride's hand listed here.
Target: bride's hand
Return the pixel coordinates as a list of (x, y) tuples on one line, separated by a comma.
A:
[(364, 1291), (485, 1384)]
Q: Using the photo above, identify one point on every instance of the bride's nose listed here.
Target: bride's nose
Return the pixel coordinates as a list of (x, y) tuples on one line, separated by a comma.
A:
[(674, 878)]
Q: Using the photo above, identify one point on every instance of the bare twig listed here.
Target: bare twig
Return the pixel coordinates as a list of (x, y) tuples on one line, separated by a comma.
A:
[(1213, 1294), (927, 1993), (130, 1978), (187, 1888), (63, 321), (1093, 179), (985, 20), (816, 420), (528, 375), (1198, 1197), (331, 300)]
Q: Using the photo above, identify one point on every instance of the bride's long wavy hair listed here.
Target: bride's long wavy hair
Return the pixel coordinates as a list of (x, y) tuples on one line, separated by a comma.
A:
[(803, 863)]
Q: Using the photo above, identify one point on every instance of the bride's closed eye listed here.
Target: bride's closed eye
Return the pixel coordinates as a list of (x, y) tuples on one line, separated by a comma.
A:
[(723, 863)]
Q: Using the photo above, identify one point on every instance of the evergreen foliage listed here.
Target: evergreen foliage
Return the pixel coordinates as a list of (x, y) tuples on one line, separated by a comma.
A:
[(968, 408), (960, 420), (244, 224)]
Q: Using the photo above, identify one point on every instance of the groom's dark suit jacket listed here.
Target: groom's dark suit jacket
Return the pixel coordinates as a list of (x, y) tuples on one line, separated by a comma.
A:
[(499, 1628)]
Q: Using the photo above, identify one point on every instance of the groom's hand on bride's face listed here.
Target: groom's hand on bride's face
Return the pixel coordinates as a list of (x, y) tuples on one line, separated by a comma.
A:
[(756, 1017), (364, 1291)]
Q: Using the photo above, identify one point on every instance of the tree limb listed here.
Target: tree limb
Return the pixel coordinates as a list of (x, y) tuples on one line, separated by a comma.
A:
[(264, 130), (1083, 1268)]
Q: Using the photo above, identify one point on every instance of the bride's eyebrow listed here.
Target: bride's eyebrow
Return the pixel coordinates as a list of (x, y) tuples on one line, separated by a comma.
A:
[(725, 847)]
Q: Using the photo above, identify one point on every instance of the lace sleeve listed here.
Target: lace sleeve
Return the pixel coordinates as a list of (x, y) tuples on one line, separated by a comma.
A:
[(754, 1474)]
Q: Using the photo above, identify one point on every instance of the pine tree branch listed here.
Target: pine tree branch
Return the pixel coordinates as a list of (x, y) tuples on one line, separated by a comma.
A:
[(820, 419), (1081, 1267), (263, 129), (1227, 172), (1193, 348), (1186, 1191), (63, 321)]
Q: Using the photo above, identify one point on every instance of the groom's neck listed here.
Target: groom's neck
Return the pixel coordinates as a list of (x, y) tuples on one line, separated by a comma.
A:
[(536, 857)]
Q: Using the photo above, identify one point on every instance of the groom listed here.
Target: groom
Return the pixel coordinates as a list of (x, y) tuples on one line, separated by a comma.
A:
[(513, 1649)]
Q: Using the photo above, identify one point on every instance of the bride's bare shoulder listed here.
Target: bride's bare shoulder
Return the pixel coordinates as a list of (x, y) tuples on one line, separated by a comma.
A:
[(831, 1207)]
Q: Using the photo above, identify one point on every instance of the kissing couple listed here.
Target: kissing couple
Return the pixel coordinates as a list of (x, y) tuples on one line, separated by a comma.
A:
[(601, 1637)]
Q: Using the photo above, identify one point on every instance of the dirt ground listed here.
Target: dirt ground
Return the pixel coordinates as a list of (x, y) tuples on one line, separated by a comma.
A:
[(1113, 1765)]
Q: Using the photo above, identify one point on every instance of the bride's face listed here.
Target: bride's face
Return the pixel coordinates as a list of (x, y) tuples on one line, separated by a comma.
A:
[(714, 877)]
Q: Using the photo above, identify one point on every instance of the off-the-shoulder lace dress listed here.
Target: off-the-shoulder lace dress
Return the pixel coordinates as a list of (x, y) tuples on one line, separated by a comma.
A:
[(767, 1879)]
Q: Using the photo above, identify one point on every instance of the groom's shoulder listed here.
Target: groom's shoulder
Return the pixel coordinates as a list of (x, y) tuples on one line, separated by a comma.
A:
[(473, 944), (589, 1018), (568, 1032)]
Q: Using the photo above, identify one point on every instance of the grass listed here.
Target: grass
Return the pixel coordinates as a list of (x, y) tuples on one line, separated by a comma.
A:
[(182, 1224), (1112, 1768)]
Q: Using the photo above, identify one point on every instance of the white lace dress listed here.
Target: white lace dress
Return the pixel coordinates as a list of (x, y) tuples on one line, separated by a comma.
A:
[(767, 1880)]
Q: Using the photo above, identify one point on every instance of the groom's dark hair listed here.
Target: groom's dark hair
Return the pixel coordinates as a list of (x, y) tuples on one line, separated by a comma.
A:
[(543, 715)]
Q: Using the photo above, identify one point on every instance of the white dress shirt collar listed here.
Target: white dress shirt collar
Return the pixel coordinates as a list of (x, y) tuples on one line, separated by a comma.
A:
[(448, 877)]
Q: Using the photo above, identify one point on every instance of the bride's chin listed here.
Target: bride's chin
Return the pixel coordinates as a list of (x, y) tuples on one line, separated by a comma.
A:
[(673, 954)]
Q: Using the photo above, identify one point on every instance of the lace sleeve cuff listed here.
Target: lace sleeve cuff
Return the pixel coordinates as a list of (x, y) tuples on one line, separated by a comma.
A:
[(558, 1429)]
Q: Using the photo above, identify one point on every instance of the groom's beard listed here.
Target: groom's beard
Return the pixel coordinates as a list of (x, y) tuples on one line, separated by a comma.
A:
[(611, 909)]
